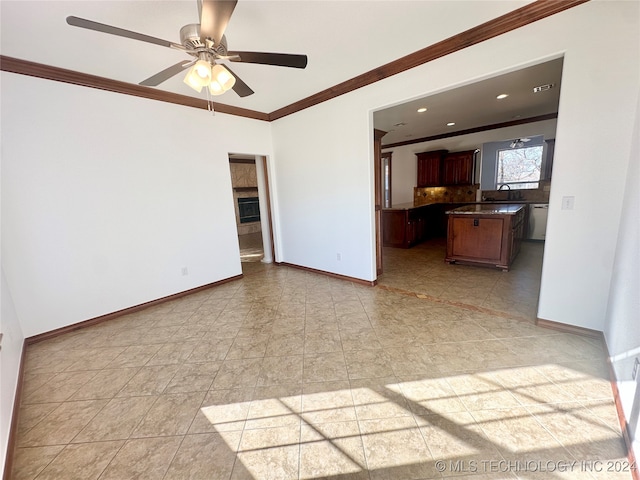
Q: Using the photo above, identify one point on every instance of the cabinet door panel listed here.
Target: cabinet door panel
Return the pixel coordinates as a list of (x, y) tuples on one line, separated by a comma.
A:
[(478, 238), (430, 168), (394, 226), (449, 172), (458, 168)]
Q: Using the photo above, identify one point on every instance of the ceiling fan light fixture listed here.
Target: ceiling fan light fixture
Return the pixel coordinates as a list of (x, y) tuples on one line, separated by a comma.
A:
[(207, 43), (203, 70), (199, 75), (215, 88), (192, 82), (223, 77)]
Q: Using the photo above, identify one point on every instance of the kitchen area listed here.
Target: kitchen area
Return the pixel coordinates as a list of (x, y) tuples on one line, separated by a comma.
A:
[(488, 145), (447, 195), (458, 243), (466, 176)]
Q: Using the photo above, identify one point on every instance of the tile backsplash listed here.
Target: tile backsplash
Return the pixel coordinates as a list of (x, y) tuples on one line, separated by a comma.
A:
[(451, 194), (468, 193)]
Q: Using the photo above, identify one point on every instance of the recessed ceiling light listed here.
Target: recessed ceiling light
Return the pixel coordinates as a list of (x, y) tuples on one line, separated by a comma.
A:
[(451, 124), (401, 124), (422, 110), (501, 96)]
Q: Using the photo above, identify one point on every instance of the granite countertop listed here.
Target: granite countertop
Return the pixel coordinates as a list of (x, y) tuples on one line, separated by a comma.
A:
[(488, 209), (403, 206), (410, 206)]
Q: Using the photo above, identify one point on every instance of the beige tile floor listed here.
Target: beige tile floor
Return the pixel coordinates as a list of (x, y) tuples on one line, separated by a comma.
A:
[(287, 374), (251, 249)]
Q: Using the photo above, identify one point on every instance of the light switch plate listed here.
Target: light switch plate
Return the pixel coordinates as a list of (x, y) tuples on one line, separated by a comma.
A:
[(568, 202)]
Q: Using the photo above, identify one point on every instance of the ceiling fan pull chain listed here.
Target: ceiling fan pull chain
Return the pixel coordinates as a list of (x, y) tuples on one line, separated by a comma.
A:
[(210, 103)]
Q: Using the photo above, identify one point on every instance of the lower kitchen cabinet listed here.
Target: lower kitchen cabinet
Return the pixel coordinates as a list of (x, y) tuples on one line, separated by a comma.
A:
[(485, 234), (405, 228)]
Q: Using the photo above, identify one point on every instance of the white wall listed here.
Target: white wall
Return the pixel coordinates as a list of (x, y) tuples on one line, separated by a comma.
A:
[(324, 154), (324, 190), (404, 162), (12, 343), (593, 141), (106, 197), (622, 327)]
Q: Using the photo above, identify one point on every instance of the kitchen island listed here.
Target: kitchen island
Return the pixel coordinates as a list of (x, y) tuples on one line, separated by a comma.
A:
[(485, 234)]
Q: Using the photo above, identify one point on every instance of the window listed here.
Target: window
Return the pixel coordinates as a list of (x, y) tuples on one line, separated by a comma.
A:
[(519, 168)]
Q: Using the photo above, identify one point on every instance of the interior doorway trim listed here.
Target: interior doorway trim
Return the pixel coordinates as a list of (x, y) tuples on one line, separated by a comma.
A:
[(269, 246), (260, 163), (377, 175)]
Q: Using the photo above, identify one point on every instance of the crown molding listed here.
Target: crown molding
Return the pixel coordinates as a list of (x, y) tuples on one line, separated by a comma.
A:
[(33, 69), (483, 128), (510, 21)]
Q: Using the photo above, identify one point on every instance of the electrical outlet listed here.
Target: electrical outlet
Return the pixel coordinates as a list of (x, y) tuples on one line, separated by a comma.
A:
[(636, 364), (185, 271)]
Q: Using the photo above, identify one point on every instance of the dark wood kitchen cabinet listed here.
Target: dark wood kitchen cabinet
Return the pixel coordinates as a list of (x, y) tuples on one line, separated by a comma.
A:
[(457, 168), (404, 228), (485, 234), (430, 168)]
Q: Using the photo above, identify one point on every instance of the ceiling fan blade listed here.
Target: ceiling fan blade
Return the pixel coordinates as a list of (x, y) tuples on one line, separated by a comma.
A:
[(214, 17), (241, 88), (121, 32), (167, 73), (278, 59)]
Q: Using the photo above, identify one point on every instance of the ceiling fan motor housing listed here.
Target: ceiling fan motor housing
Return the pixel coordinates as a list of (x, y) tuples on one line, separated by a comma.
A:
[(191, 39)]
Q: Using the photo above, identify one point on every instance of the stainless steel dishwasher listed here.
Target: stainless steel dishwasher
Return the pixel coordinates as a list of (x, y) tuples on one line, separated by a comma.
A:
[(538, 221)]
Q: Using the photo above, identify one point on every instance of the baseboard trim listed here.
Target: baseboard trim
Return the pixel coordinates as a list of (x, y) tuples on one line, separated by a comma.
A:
[(110, 316), (566, 328), (631, 456), (329, 274), (15, 412)]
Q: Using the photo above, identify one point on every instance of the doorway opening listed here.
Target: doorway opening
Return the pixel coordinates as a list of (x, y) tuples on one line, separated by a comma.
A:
[(414, 225), (251, 200)]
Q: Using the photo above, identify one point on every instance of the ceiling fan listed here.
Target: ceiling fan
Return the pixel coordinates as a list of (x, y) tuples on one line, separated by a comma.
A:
[(207, 44), (519, 142)]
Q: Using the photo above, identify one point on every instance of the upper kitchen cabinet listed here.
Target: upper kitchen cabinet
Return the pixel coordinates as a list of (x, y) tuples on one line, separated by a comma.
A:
[(430, 168), (457, 168)]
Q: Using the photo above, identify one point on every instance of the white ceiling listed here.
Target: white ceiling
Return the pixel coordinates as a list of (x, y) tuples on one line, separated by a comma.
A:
[(475, 105), (341, 38)]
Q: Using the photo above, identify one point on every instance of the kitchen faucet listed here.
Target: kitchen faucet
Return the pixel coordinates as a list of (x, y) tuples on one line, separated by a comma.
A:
[(508, 188)]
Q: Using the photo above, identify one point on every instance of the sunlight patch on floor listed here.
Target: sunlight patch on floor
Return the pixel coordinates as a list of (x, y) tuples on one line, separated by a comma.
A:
[(479, 419)]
